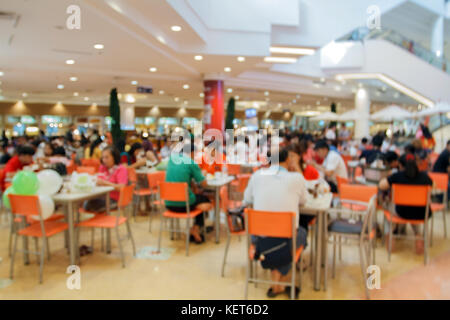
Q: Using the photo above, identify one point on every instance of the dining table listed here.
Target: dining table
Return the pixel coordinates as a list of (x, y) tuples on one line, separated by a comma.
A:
[(69, 200), (214, 184), (319, 207)]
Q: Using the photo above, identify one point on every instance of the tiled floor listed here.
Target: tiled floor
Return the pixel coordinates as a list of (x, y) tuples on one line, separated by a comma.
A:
[(198, 276)]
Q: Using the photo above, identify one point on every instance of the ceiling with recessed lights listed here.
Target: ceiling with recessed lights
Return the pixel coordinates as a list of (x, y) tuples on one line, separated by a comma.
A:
[(172, 46)]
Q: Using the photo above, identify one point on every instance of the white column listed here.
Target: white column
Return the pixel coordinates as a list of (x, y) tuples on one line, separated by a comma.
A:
[(437, 37), (362, 105), (127, 116)]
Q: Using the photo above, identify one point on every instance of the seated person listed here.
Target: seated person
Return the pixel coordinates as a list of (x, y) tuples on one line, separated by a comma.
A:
[(276, 189), (333, 165), (24, 157), (182, 168), (370, 155), (59, 156), (442, 164), (137, 156), (212, 159), (111, 174), (391, 161), (408, 174)]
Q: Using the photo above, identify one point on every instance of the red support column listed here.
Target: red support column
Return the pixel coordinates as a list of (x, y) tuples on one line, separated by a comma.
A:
[(214, 105)]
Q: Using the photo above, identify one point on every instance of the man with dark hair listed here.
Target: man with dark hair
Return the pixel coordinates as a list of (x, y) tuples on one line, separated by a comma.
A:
[(442, 164), (23, 158), (278, 190), (333, 165), (373, 154), (182, 168)]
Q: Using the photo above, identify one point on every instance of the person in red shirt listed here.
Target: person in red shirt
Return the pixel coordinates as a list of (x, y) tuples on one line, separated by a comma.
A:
[(24, 157)]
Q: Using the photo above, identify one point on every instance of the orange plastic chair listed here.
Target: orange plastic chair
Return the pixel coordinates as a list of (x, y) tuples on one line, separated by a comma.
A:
[(154, 179), (91, 163), (440, 186), (276, 225), (105, 221), (355, 196), (225, 205), (26, 207), (409, 195), (233, 169), (88, 170), (176, 191), (71, 167)]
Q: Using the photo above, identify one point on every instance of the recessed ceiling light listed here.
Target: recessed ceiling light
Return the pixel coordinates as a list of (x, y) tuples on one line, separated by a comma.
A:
[(73, 79), (229, 90), (186, 102), (70, 61), (161, 39), (1, 73), (236, 97), (202, 95), (98, 46), (60, 86), (86, 98), (75, 94), (134, 82), (153, 69), (296, 51), (227, 69), (198, 58), (175, 28), (241, 59), (161, 91), (280, 60), (176, 99), (185, 86), (24, 94), (266, 93), (130, 98)]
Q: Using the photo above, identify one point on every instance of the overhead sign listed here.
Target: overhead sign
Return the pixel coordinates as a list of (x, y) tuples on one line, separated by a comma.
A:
[(141, 89)]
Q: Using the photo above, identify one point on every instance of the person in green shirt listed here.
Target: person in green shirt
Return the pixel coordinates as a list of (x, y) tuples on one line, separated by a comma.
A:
[(182, 168)]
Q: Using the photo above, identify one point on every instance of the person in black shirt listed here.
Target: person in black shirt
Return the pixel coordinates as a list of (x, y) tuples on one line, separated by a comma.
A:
[(373, 154), (442, 165), (409, 174)]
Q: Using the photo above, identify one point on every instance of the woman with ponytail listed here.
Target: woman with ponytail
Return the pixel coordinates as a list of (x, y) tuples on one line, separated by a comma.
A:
[(409, 173)]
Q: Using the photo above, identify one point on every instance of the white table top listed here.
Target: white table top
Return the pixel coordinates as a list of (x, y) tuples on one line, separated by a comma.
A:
[(68, 197), (219, 182), (353, 164)]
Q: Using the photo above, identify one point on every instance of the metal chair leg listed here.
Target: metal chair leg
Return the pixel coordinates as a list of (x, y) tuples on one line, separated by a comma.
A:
[(120, 247), (432, 228), (333, 271), (225, 254), (160, 233), (13, 255), (247, 278), (47, 244), (41, 264), (36, 246), (92, 238), (187, 236), (390, 241), (363, 269), (130, 236)]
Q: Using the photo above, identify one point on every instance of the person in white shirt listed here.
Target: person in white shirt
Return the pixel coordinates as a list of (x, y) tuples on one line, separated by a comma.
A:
[(330, 134), (333, 165), (276, 189)]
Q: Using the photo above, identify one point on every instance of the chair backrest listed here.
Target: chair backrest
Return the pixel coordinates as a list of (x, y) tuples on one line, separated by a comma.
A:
[(173, 191), (132, 176), (243, 179), (233, 169), (410, 195), (433, 157), (154, 178), (357, 192), (369, 222), (91, 163), (340, 181), (24, 205), (270, 224), (126, 196), (71, 167), (88, 170), (440, 180)]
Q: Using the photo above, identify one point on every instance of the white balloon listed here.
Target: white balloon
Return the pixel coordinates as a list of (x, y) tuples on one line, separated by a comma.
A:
[(47, 207), (49, 182)]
